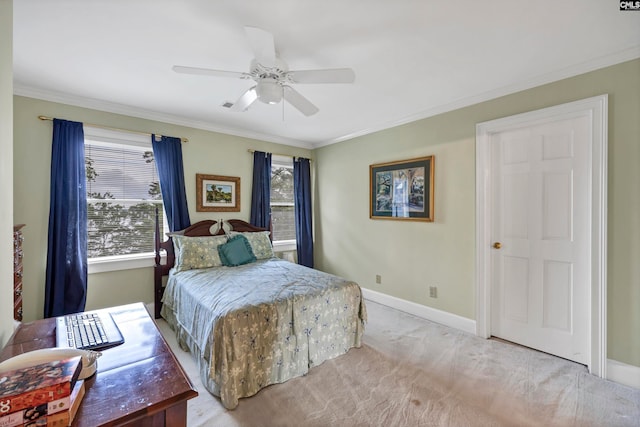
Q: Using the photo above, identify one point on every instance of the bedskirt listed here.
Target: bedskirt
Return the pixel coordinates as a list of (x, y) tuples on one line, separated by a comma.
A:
[(252, 326)]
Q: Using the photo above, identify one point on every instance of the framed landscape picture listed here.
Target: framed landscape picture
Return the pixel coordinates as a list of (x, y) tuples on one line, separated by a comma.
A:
[(402, 190), (216, 193)]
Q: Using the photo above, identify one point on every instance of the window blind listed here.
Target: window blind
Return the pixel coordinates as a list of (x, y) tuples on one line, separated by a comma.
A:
[(123, 193), (282, 200)]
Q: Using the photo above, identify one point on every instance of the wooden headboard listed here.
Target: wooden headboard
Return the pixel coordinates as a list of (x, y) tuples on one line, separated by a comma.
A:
[(201, 228)]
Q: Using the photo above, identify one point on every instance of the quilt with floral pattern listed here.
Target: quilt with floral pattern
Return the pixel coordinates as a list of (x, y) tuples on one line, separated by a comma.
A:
[(262, 323)]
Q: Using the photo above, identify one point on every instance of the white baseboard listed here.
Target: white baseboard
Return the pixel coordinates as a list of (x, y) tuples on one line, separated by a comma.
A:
[(419, 310), (616, 371), (622, 373)]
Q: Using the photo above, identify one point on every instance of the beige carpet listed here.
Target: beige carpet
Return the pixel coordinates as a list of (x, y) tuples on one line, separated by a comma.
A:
[(412, 372)]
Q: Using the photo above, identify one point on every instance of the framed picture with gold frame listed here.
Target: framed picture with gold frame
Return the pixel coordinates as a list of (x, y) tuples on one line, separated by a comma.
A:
[(217, 193), (402, 190)]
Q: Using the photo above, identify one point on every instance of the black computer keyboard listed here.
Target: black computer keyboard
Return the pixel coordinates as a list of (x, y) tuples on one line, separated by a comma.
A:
[(85, 331)]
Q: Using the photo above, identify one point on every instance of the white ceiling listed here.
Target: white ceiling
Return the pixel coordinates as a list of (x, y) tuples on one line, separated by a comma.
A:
[(412, 58)]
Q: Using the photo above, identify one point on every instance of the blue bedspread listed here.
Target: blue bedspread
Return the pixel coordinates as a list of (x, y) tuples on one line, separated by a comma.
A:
[(262, 323)]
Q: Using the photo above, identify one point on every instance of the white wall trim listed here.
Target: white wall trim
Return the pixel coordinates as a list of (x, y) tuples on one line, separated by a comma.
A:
[(585, 67), (624, 374), (78, 101), (422, 311), (597, 109), (115, 108)]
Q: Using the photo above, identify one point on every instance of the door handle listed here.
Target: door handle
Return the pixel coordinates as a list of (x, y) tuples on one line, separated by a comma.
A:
[(497, 245)]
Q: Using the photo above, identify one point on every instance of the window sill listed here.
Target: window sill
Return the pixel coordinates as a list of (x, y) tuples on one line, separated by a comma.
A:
[(284, 246), (124, 262), (128, 262)]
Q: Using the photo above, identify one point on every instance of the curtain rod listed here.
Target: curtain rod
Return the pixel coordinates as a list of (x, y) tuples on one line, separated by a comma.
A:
[(250, 150), (111, 128)]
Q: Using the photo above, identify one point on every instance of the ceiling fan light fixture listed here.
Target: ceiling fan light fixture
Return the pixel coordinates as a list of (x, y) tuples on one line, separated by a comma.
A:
[(269, 91), (272, 76)]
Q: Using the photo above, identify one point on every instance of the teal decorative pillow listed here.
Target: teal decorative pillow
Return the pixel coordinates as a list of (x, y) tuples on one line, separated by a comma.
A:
[(237, 251), (197, 252), (260, 243)]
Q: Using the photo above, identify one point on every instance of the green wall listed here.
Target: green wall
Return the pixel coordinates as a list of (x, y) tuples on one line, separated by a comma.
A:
[(206, 152), (411, 256), (6, 170)]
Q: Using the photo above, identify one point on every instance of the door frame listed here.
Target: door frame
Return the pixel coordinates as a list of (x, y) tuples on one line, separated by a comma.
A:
[(596, 108)]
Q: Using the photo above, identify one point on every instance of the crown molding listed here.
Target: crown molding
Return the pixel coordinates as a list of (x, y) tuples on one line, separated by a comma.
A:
[(126, 110), (110, 107), (572, 71)]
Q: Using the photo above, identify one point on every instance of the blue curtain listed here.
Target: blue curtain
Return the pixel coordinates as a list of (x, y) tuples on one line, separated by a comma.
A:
[(167, 152), (66, 275), (261, 190), (302, 198)]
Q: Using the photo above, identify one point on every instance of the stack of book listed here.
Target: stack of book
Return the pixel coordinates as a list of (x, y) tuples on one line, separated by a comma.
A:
[(46, 394)]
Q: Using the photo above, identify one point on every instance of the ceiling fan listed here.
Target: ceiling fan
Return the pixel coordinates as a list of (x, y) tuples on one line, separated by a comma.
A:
[(272, 76)]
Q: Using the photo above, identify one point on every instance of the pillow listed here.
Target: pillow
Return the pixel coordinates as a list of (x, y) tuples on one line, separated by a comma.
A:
[(175, 241), (197, 252), (237, 251), (260, 243)]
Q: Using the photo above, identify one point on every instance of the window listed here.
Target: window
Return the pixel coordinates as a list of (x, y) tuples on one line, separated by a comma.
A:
[(282, 201), (123, 193)]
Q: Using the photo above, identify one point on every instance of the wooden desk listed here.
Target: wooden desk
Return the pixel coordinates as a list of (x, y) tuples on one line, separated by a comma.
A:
[(138, 383)]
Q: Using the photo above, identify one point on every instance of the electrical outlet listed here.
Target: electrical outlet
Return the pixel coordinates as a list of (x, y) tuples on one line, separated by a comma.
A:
[(378, 279), (433, 291)]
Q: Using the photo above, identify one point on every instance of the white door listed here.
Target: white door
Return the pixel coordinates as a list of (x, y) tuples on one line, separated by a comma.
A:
[(540, 230)]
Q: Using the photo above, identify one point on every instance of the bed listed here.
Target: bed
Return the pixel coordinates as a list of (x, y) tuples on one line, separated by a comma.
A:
[(256, 323)]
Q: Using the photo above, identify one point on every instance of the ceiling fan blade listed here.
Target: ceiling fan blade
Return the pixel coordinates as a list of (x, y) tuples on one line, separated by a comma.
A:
[(245, 101), (263, 46), (210, 72), (330, 75), (294, 98)]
